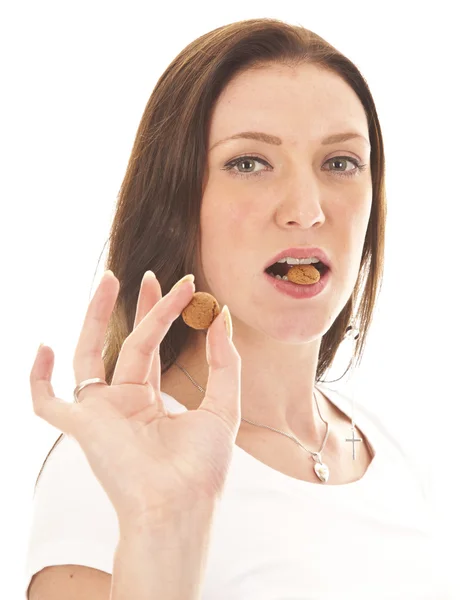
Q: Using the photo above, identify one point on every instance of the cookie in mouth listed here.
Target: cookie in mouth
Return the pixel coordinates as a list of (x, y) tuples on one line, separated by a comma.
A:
[(281, 269)]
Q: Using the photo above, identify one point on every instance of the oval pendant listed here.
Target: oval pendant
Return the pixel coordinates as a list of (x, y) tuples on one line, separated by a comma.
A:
[(322, 471)]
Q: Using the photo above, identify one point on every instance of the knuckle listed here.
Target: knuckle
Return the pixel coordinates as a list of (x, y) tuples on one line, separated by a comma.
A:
[(38, 407), (162, 319), (94, 352), (146, 348), (81, 354)]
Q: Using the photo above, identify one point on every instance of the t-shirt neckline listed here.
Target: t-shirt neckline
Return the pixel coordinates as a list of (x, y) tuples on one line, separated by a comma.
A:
[(302, 484), (337, 400)]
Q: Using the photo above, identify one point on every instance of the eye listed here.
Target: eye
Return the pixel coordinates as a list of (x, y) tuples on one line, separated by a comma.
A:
[(343, 160), (244, 160), (230, 166)]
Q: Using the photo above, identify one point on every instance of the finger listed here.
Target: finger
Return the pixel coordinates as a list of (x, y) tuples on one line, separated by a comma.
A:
[(224, 380), (59, 414), (87, 360), (150, 294), (138, 349)]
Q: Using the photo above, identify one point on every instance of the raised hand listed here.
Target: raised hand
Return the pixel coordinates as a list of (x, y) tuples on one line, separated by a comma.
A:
[(148, 461)]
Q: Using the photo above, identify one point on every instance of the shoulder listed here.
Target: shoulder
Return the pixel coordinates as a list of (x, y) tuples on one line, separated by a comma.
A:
[(69, 581)]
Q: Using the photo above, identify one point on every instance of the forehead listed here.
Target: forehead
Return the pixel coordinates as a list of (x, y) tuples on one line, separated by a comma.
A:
[(287, 101)]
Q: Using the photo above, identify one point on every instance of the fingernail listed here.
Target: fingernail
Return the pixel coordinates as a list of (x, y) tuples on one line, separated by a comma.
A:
[(108, 272), (40, 346), (228, 322), (182, 280), (149, 274)]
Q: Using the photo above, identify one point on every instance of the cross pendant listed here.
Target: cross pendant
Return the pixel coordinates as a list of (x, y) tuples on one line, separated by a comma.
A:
[(354, 440)]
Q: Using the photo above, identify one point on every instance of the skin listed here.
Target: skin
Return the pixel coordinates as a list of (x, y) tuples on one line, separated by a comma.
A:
[(300, 199)]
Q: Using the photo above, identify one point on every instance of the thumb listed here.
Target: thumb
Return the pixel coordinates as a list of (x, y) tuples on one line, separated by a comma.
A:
[(224, 380)]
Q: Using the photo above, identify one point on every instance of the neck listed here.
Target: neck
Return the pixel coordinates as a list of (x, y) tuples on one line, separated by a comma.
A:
[(277, 384)]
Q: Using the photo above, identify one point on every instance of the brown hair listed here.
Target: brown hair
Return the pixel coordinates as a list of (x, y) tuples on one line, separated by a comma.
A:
[(156, 223)]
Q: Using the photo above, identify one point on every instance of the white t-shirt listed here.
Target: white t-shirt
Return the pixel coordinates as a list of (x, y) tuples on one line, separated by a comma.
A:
[(274, 537)]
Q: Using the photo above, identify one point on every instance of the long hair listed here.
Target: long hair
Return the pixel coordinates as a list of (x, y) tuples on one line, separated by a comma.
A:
[(156, 222)]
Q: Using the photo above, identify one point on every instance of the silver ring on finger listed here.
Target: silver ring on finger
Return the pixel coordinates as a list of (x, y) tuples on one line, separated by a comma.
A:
[(83, 384)]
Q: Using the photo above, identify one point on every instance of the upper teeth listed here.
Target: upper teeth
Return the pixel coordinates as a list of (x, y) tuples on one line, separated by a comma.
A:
[(299, 261)]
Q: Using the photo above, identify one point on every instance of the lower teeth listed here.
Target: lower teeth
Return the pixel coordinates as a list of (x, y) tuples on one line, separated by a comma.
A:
[(284, 278)]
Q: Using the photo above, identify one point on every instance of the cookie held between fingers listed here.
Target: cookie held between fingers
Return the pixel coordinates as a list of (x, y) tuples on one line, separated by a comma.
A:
[(201, 311), (303, 274)]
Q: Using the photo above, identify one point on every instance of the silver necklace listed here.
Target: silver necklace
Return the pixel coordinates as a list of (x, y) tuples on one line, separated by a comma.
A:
[(321, 469)]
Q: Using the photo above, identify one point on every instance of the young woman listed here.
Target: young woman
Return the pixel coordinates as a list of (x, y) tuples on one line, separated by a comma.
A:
[(205, 466)]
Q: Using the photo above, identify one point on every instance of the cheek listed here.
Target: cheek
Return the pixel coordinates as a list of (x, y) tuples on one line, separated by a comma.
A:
[(355, 214), (219, 227), (354, 232), (224, 223), (363, 216), (227, 231)]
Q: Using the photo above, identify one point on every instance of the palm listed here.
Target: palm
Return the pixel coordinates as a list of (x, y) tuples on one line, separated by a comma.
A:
[(146, 459), (180, 457)]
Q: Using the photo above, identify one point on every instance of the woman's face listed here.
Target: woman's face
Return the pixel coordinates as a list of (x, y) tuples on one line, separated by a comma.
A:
[(288, 194)]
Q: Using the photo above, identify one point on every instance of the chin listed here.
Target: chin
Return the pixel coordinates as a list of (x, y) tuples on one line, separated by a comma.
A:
[(293, 330)]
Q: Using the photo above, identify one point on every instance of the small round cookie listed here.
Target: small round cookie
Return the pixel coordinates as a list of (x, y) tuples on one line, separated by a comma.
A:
[(303, 274), (201, 311)]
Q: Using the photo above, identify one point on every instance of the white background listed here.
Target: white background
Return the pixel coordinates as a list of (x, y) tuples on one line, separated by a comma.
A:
[(75, 80)]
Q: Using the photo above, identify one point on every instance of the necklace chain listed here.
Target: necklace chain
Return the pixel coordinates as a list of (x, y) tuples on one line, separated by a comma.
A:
[(315, 455)]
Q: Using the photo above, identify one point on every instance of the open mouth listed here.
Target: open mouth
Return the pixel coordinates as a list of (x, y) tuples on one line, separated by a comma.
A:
[(280, 270)]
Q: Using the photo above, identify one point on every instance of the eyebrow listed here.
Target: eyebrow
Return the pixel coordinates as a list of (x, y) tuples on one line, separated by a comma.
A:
[(276, 141)]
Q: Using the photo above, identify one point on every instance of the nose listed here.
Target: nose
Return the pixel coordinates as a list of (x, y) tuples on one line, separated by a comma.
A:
[(300, 205)]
